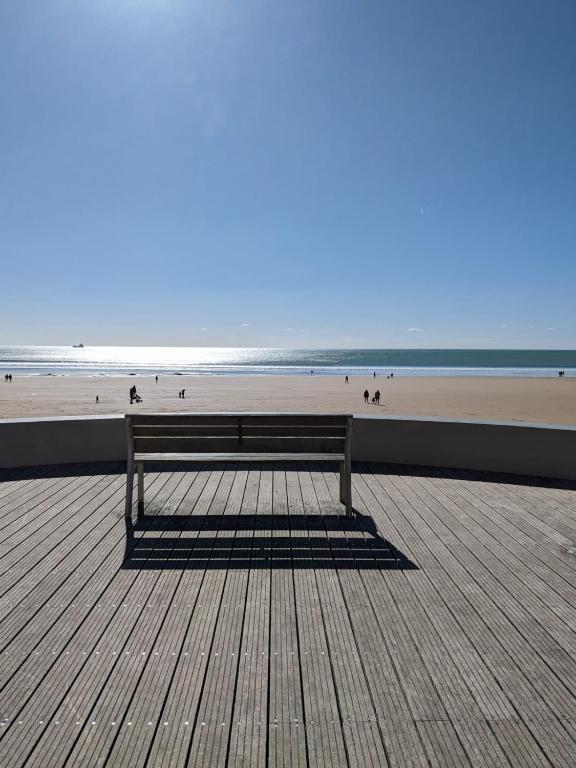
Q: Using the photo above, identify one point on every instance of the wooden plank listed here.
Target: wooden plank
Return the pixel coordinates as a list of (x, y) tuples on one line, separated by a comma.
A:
[(299, 419), (526, 698), (172, 742), (28, 616), (210, 741), (147, 705), (50, 556), (171, 445), (248, 443), (296, 430), (217, 430), (27, 495), (25, 510), (325, 741), (477, 738), (42, 551), (95, 646), (183, 419), (361, 730), (244, 456), (185, 430), (231, 419), (33, 525), (76, 653), (516, 594), (286, 715), (103, 704), (249, 729), (530, 556)]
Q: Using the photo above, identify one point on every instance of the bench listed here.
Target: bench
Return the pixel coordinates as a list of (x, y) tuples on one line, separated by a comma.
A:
[(156, 438)]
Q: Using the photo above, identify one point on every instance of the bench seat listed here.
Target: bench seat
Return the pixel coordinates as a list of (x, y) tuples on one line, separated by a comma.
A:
[(139, 457)]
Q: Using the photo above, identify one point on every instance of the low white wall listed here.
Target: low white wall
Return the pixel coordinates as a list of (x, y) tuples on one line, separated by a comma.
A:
[(545, 450), (63, 440), (531, 449)]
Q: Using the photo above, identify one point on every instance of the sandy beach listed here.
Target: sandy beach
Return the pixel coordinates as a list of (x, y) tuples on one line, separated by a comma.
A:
[(544, 400)]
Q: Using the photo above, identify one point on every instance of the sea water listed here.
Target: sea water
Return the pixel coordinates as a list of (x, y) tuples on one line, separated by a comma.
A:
[(263, 361)]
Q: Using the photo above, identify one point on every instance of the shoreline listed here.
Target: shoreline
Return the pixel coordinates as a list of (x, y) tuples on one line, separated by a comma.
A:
[(526, 399), (407, 373)]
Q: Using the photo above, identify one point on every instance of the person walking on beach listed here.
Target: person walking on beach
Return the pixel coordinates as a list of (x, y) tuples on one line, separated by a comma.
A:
[(366, 395), (97, 399), (377, 396), (183, 394), (346, 379), (374, 374), (156, 379)]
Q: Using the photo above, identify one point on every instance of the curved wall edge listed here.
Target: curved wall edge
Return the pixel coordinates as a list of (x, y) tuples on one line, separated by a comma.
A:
[(544, 450)]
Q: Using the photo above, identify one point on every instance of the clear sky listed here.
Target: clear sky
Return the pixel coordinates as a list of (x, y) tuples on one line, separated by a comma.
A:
[(303, 173)]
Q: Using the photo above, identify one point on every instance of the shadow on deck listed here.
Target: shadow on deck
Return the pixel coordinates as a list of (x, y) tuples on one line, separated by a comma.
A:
[(260, 541)]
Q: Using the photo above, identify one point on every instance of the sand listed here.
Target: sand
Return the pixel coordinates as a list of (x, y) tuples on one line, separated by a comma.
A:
[(544, 400)]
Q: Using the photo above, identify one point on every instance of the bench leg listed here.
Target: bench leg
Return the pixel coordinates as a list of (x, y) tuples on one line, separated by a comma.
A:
[(129, 491), (342, 482), (349, 508), (346, 487), (140, 491)]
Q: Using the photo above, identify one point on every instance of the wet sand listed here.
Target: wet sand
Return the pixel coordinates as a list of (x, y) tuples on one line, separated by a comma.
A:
[(543, 400)]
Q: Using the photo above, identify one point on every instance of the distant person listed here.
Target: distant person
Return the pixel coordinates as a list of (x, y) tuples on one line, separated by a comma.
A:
[(183, 394), (179, 393), (377, 396), (346, 379), (373, 399), (10, 378), (156, 379), (366, 395), (311, 373), (97, 399), (391, 375)]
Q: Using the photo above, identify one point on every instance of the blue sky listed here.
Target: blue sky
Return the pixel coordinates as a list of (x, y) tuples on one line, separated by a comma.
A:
[(318, 173)]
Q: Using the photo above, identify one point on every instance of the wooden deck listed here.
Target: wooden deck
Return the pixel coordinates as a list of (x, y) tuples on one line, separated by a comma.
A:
[(247, 623)]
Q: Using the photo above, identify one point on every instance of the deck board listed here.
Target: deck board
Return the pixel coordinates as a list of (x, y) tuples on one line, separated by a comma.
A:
[(247, 622)]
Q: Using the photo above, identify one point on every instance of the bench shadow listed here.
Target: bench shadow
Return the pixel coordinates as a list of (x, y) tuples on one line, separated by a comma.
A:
[(260, 541)]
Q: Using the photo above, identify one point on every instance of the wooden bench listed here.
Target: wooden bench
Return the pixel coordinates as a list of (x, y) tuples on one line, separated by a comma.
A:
[(237, 437)]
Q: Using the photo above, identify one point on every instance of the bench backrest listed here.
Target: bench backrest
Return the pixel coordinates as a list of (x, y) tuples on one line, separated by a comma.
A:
[(239, 433)]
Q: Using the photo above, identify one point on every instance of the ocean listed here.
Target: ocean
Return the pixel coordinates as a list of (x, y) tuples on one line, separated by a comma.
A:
[(212, 361)]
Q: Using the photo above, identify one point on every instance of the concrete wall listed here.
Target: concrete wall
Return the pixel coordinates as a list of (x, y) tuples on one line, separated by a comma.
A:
[(527, 449), (27, 442), (533, 449)]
